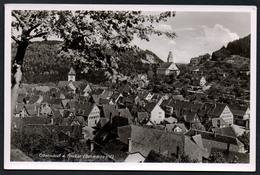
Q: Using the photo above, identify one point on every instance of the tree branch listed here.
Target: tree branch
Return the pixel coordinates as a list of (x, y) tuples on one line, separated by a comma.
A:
[(18, 19), (16, 39), (33, 27)]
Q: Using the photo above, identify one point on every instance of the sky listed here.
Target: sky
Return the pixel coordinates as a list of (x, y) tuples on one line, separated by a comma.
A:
[(198, 33)]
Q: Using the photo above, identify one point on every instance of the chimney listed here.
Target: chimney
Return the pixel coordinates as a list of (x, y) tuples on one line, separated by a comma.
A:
[(129, 144), (91, 146)]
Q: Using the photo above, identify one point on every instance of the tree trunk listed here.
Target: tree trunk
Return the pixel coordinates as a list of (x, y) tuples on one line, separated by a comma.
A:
[(17, 73)]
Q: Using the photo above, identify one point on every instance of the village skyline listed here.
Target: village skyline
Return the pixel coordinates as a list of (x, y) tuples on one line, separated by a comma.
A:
[(95, 97)]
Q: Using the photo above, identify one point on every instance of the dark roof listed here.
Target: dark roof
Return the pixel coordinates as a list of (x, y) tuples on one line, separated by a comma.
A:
[(177, 97), (72, 71), (165, 65), (72, 104), (228, 131), (63, 83), (103, 101), (238, 110), (150, 106), (154, 156), (110, 110), (217, 109), (18, 108), (87, 108), (21, 98), (204, 109), (215, 137), (142, 115), (149, 139), (115, 150), (33, 99), (191, 117), (32, 109)]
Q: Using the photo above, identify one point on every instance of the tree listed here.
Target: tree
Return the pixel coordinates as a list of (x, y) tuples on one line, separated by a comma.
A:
[(88, 36), (245, 139)]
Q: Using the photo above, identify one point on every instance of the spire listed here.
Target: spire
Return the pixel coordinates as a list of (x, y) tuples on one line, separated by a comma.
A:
[(72, 71), (72, 75), (170, 57)]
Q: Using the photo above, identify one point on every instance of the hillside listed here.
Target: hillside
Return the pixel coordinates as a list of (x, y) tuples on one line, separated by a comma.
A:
[(43, 64), (238, 47)]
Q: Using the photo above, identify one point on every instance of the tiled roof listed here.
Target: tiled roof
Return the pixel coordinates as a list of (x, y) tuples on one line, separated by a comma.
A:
[(145, 139), (171, 120), (238, 110), (165, 65), (149, 107), (18, 108), (217, 109), (215, 137), (191, 117), (110, 110), (228, 131), (32, 109), (72, 71), (63, 83), (115, 150), (204, 109)]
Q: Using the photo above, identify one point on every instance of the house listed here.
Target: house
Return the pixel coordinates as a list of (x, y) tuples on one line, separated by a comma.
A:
[(241, 115), (110, 111), (87, 90), (159, 141), (190, 118), (213, 140), (72, 75), (135, 157), (221, 110), (169, 67), (91, 113), (177, 128), (146, 95), (199, 81), (115, 97), (157, 114), (32, 110), (142, 118), (115, 150), (35, 99), (19, 110), (170, 120), (194, 61), (203, 112), (196, 71)]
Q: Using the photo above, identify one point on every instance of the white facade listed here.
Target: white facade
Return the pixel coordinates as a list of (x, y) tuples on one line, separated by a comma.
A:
[(157, 115), (94, 116), (227, 116)]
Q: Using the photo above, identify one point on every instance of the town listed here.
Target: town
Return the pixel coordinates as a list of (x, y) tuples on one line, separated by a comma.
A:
[(123, 124)]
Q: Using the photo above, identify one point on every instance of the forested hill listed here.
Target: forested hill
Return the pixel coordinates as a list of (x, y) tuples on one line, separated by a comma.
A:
[(238, 47), (43, 64)]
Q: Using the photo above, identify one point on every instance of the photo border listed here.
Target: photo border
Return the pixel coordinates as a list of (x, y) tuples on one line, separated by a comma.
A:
[(126, 166)]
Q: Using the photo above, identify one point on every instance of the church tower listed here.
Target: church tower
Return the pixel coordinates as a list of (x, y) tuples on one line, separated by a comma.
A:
[(170, 57), (72, 75)]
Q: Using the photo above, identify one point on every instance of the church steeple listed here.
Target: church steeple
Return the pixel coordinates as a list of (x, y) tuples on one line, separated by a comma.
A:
[(72, 75), (170, 57)]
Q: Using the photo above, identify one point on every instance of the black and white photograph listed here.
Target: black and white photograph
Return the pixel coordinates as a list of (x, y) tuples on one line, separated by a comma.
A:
[(125, 87)]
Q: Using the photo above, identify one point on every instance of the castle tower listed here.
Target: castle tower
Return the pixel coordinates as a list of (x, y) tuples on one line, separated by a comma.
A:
[(170, 57), (72, 75)]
